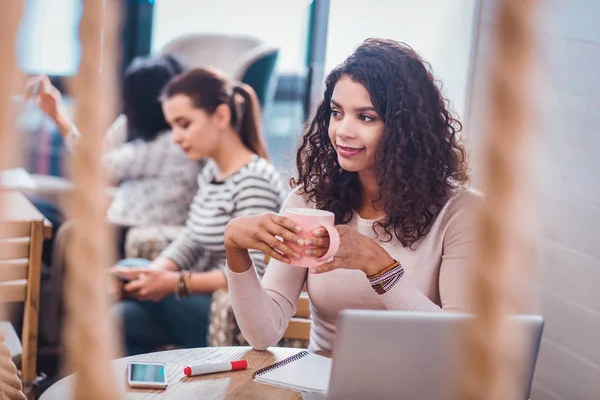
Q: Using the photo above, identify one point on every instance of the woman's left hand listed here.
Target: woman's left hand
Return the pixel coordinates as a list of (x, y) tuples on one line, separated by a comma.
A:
[(356, 252), (149, 284)]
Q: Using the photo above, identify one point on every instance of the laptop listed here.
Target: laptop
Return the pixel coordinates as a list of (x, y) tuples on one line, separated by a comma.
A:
[(410, 355)]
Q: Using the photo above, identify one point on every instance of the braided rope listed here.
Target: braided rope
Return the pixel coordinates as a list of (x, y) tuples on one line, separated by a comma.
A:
[(501, 263), (10, 80), (89, 331)]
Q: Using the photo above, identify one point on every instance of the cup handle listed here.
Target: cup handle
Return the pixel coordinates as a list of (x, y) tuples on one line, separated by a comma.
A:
[(334, 243)]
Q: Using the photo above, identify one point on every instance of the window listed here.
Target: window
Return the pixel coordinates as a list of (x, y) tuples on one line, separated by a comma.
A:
[(48, 41), (283, 24), (440, 31), (278, 23)]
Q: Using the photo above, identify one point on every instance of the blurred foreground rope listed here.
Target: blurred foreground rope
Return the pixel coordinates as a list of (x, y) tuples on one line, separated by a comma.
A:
[(501, 261), (10, 79), (89, 332)]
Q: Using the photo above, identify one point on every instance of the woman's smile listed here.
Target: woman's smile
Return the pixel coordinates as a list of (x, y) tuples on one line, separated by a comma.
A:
[(348, 152)]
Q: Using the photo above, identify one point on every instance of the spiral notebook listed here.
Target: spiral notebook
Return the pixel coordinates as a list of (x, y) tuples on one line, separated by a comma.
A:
[(303, 372)]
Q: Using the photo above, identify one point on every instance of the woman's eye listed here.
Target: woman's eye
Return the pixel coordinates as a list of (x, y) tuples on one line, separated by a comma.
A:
[(184, 125), (366, 118), (335, 113)]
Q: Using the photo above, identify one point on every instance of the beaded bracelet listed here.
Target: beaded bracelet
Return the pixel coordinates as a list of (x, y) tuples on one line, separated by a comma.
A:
[(383, 271), (384, 280)]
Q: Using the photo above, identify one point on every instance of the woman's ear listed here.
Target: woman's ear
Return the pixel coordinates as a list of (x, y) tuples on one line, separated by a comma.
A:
[(222, 116)]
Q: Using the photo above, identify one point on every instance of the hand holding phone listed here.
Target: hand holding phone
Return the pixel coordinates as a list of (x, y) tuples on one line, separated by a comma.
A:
[(126, 263), (146, 375)]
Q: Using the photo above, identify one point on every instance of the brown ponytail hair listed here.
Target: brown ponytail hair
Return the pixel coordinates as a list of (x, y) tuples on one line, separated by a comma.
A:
[(208, 89)]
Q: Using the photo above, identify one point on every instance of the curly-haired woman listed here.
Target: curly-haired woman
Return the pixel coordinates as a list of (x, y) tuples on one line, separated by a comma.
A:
[(384, 155)]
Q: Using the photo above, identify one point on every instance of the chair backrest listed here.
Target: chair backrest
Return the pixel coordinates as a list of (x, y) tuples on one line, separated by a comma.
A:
[(15, 239), (243, 58), (299, 326), (259, 73), (221, 51), (20, 273)]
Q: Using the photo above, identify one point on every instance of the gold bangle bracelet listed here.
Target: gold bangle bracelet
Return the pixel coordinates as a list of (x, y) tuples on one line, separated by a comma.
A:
[(187, 282), (179, 288)]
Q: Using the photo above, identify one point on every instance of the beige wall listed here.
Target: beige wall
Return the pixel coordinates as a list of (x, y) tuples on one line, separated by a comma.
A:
[(569, 189)]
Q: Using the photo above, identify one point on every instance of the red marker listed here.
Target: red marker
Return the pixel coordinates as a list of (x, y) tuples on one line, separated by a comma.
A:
[(202, 369)]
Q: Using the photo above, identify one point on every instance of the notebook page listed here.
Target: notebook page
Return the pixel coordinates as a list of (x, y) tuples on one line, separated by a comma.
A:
[(308, 374)]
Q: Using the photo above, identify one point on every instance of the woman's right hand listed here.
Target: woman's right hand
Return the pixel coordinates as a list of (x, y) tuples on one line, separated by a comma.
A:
[(262, 232)]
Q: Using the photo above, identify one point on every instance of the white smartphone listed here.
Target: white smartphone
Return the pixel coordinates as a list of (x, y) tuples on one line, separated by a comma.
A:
[(146, 375)]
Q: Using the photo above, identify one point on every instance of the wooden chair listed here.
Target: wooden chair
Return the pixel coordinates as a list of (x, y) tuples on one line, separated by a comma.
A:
[(244, 58), (20, 272), (299, 326), (297, 333)]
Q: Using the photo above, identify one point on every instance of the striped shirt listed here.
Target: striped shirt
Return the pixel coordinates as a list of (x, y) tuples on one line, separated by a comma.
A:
[(256, 188)]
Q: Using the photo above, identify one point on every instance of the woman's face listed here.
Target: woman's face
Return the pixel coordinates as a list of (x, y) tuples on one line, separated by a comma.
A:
[(193, 129), (355, 128)]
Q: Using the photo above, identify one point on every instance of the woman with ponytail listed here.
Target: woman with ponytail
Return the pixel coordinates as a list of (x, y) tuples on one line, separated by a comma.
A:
[(168, 301)]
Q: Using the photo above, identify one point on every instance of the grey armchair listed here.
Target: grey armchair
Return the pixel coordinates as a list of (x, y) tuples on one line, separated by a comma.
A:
[(243, 58)]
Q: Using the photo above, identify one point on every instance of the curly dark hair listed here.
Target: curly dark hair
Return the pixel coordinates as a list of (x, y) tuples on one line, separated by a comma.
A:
[(420, 160)]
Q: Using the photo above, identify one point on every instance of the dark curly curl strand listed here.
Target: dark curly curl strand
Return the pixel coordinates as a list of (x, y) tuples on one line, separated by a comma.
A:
[(420, 160)]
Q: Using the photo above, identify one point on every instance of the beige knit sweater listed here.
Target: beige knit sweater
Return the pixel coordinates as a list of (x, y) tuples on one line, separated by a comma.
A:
[(436, 278)]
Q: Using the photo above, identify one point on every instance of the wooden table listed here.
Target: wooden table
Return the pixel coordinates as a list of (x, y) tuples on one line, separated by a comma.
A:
[(18, 208), (226, 385)]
